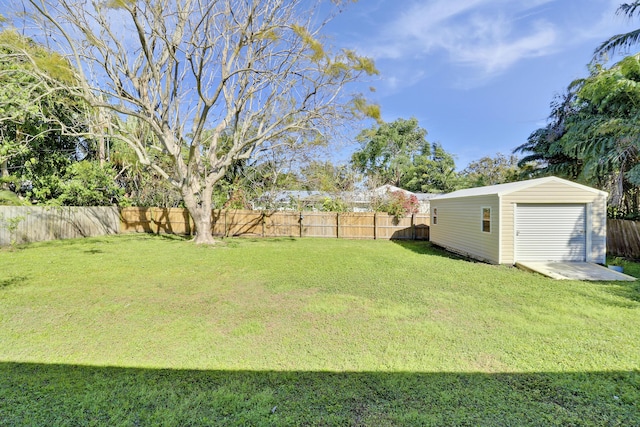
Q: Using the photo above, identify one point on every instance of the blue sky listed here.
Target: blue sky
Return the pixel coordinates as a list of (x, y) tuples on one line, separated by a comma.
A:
[(479, 75)]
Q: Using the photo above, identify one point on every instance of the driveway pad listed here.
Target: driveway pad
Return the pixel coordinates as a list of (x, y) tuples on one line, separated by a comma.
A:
[(574, 271)]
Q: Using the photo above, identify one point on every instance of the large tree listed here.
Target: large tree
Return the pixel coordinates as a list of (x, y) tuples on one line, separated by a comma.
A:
[(43, 129), (327, 177), (215, 82), (605, 132), (387, 150), (36, 149), (29, 102), (398, 153), (594, 134), (434, 171), (492, 170)]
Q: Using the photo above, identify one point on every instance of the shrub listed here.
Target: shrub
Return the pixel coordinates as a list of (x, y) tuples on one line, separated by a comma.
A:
[(89, 184), (399, 204), (334, 205)]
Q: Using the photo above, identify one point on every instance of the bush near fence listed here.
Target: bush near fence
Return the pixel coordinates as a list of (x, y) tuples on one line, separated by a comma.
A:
[(352, 225)]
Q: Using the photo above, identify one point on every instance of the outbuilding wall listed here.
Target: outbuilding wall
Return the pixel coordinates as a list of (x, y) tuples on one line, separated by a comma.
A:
[(459, 226)]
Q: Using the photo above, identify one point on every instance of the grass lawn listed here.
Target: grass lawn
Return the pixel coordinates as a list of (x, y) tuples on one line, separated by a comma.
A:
[(150, 330)]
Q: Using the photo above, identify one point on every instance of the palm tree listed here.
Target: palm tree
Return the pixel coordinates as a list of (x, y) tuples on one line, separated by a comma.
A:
[(621, 41), (543, 151)]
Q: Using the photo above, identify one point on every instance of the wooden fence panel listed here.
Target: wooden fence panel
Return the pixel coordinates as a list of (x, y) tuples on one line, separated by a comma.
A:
[(243, 223), (25, 224), (350, 225), (421, 223), (319, 224), (136, 220), (48, 223), (623, 238), (173, 221), (388, 227), (357, 225), (282, 224), (156, 220), (219, 222)]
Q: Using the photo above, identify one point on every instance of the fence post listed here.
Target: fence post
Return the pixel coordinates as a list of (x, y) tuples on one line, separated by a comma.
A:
[(226, 229), (153, 221), (300, 218), (375, 225), (413, 226), (338, 225)]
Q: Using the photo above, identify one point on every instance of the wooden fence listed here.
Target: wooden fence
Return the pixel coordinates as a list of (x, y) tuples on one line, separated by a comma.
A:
[(23, 224), (623, 238), (365, 225)]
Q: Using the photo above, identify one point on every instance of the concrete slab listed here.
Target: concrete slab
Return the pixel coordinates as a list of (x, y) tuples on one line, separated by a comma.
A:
[(574, 271)]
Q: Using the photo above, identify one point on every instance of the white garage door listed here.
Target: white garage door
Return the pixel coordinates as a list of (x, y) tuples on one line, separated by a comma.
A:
[(550, 232)]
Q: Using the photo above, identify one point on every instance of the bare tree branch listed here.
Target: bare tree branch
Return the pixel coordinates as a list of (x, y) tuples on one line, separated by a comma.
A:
[(215, 81)]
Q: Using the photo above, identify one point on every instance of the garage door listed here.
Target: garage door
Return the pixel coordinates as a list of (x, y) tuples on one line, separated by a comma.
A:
[(550, 232)]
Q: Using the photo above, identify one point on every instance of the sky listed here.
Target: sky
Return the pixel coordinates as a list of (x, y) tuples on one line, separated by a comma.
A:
[(479, 75)]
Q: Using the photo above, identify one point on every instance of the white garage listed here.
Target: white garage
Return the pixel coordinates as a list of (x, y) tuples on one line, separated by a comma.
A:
[(545, 219)]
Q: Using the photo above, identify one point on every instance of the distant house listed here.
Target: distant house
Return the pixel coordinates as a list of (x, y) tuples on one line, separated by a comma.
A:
[(358, 201), (291, 200), (545, 219)]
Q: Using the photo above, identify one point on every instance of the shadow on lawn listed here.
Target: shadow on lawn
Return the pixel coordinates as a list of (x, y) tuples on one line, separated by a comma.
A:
[(428, 248), (39, 394), (12, 281), (628, 294), (629, 291)]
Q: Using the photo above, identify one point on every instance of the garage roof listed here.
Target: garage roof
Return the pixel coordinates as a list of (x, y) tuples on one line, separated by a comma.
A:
[(502, 189)]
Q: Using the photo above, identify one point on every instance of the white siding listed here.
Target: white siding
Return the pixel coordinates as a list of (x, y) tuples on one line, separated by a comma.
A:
[(459, 226)]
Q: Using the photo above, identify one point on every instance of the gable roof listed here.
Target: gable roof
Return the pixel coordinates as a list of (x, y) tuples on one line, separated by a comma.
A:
[(511, 187)]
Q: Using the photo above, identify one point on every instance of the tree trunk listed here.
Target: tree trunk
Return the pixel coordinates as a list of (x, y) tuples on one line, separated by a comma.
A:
[(200, 211), (102, 157), (202, 221)]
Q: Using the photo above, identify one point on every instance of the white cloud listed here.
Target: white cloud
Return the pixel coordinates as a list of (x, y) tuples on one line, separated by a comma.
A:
[(493, 50), (488, 36), (402, 78), (418, 28)]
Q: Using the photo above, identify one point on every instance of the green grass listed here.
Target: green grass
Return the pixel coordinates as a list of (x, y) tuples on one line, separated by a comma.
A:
[(148, 330)]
